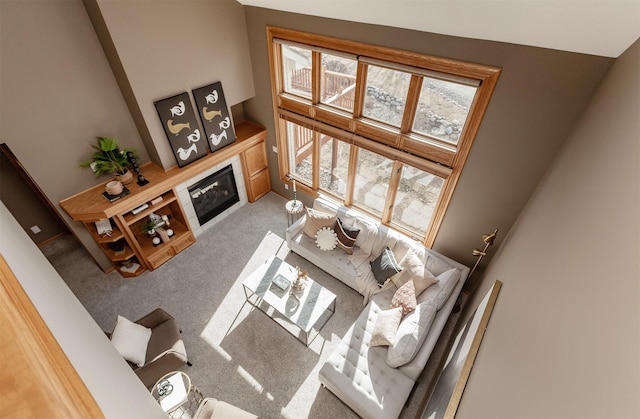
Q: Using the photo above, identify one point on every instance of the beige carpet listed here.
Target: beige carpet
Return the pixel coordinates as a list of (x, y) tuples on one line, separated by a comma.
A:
[(239, 354)]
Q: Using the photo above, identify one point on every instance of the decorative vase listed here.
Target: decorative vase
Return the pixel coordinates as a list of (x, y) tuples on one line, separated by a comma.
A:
[(125, 178), (298, 285)]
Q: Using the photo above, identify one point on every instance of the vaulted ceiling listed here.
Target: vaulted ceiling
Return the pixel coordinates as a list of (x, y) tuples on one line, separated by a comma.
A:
[(599, 27)]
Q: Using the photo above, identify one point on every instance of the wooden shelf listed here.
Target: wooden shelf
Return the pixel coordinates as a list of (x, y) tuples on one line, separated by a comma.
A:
[(90, 206)]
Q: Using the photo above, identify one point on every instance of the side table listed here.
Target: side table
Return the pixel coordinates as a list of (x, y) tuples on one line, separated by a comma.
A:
[(294, 210), (176, 395)]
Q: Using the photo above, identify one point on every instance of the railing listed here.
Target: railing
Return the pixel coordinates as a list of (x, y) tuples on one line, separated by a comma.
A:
[(339, 89)]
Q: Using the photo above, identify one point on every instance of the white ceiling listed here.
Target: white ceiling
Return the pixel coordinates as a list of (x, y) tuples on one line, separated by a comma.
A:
[(599, 27)]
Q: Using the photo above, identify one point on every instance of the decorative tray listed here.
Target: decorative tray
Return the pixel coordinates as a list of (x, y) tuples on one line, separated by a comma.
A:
[(281, 282)]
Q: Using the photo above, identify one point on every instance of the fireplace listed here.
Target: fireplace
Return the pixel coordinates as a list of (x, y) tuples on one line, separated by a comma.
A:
[(214, 194)]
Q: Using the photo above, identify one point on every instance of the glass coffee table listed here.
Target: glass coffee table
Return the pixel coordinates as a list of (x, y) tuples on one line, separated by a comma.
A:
[(302, 313)]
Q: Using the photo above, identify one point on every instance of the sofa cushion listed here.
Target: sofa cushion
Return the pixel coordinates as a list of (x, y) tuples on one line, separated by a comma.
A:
[(385, 266), (405, 297), (440, 291), (347, 235), (357, 372), (131, 340), (411, 334), (386, 327), (315, 220)]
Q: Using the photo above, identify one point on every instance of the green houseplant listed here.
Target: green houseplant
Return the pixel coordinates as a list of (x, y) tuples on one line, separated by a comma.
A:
[(108, 158)]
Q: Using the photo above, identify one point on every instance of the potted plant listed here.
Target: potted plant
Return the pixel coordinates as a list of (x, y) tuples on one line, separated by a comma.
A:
[(108, 158)]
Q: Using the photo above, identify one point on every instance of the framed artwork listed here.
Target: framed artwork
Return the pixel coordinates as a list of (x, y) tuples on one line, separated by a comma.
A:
[(214, 115), (182, 129)]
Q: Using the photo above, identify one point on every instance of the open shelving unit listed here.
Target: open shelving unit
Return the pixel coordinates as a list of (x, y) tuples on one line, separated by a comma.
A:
[(127, 241)]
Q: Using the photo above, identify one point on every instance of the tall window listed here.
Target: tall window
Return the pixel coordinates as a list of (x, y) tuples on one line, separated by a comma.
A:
[(385, 130)]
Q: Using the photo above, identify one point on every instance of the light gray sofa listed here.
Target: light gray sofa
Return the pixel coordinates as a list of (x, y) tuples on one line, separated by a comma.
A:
[(376, 381)]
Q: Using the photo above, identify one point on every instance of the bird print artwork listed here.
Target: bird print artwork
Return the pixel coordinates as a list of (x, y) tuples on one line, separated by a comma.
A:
[(214, 115), (176, 128), (181, 126), (217, 139), (212, 97), (178, 110), (184, 154), (194, 137), (209, 115)]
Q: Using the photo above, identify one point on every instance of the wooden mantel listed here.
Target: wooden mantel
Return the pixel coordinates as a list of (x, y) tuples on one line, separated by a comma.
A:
[(89, 205)]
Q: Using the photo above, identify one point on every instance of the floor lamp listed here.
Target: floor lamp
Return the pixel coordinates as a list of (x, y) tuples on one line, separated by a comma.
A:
[(488, 241)]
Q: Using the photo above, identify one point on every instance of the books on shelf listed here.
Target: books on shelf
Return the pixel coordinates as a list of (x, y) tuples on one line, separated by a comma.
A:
[(131, 269), (112, 198), (103, 227)]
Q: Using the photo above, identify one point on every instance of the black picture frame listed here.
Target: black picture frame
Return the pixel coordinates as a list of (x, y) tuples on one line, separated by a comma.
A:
[(214, 115), (181, 127)]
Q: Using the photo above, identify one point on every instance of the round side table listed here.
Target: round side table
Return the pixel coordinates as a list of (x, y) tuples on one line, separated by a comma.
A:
[(294, 210), (176, 395)]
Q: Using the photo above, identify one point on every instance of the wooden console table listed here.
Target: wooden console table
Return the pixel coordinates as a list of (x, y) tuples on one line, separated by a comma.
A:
[(90, 206)]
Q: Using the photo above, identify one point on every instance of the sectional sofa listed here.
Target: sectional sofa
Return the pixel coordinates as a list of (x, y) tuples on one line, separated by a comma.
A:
[(376, 381)]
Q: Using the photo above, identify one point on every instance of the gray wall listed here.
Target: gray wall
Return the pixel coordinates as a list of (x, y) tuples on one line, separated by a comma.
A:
[(57, 93), (116, 389), (564, 337), (58, 90), (169, 47), (538, 98)]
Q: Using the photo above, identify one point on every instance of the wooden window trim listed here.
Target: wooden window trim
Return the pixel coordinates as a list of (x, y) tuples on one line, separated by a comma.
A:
[(369, 135)]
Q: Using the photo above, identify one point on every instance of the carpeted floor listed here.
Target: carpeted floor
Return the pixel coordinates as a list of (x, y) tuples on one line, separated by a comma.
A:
[(239, 355)]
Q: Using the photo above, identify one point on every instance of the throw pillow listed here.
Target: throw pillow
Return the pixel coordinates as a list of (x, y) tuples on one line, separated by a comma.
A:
[(346, 235), (384, 266), (405, 297), (411, 334), (386, 326), (411, 266), (316, 220), (440, 292), (131, 340), (326, 239)]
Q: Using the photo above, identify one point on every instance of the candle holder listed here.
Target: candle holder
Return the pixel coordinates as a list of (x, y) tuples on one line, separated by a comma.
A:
[(132, 159)]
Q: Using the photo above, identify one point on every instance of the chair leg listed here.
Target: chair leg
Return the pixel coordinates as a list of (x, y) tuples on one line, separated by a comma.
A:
[(189, 363)]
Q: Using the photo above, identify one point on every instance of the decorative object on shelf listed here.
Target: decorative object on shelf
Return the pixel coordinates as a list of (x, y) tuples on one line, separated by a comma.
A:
[(129, 266), (182, 129), (117, 247), (215, 116), (133, 161), (139, 209), (108, 158), (113, 198), (488, 241), (103, 227), (114, 188), (298, 285), (156, 241), (152, 225)]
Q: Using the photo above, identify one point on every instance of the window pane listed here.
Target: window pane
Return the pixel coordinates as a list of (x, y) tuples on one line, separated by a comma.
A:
[(385, 95), (373, 173), (443, 108), (334, 165), (296, 65), (300, 142), (338, 82), (416, 199)]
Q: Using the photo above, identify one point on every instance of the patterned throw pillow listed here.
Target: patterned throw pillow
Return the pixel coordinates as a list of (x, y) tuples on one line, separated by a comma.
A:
[(384, 331), (346, 235), (316, 220), (405, 297), (385, 266)]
